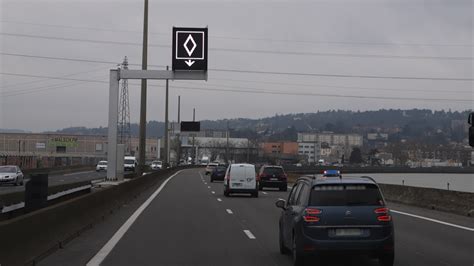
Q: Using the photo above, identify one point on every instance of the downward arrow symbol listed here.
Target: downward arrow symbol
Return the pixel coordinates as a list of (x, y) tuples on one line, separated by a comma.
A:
[(189, 63)]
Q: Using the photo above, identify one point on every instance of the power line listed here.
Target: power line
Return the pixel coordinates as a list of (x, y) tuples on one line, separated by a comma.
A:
[(459, 58), (277, 73), (41, 80), (331, 86), (265, 91), (247, 38), (337, 75)]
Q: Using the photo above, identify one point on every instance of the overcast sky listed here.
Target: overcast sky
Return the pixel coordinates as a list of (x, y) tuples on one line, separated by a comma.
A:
[(429, 39)]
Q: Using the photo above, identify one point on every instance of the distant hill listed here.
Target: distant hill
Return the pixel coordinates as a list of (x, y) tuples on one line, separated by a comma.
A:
[(414, 123), (6, 130)]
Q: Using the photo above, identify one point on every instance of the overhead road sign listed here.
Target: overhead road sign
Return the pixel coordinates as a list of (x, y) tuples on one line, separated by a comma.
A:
[(189, 49), (189, 126)]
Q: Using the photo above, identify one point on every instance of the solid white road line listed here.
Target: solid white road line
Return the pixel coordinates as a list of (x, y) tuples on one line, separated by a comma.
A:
[(218, 199), (213, 192), (102, 254), (433, 220), (229, 211), (249, 234)]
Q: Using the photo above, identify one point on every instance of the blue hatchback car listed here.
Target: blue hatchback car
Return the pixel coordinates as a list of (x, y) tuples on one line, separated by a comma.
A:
[(333, 214)]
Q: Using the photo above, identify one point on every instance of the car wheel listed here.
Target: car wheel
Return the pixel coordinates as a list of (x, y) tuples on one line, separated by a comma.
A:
[(226, 193), (284, 188), (22, 181), (255, 194), (260, 187), (212, 180), (16, 182), (298, 258), (386, 259), (283, 249)]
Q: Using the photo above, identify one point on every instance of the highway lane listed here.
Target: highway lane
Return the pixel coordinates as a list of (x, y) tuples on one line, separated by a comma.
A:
[(191, 223), (59, 179)]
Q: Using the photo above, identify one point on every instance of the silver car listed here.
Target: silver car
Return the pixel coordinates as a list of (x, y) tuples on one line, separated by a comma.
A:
[(11, 174)]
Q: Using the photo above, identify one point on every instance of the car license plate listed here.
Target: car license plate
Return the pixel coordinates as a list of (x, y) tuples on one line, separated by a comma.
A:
[(236, 184), (273, 179), (349, 232)]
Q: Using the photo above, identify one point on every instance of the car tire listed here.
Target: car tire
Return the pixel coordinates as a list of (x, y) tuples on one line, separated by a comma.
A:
[(284, 188), (298, 258), (387, 259), (255, 194), (283, 249), (260, 187), (226, 193), (22, 181), (16, 182)]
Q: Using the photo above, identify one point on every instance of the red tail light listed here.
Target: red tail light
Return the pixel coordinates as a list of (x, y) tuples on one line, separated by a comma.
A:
[(311, 215), (386, 214), (381, 210), (384, 218)]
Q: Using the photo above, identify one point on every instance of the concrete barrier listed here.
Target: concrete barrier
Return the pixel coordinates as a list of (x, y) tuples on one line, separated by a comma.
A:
[(29, 238), (439, 199), (377, 169)]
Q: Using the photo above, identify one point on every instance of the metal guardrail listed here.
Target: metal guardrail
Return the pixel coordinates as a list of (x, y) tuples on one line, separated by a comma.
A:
[(20, 205)]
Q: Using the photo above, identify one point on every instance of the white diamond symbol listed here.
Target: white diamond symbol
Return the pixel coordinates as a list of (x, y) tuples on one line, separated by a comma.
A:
[(189, 39)]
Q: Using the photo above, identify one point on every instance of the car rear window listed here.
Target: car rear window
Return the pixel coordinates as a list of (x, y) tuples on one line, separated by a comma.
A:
[(346, 195), (221, 169), (273, 170)]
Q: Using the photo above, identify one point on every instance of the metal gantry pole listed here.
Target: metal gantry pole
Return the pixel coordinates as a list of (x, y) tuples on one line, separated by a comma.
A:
[(142, 139), (166, 135), (112, 127), (194, 155), (179, 130)]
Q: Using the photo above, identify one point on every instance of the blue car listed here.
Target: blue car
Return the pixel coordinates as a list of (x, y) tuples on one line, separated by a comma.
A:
[(343, 215)]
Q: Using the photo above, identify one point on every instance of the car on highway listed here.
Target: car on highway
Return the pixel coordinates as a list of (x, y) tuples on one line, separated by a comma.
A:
[(11, 174), (130, 163), (101, 166), (241, 178), (156, 165), (218, 173), (272, 176), (210, 167), (336, 215)]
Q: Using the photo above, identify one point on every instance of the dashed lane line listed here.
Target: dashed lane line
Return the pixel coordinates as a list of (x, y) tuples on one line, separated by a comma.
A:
[(249, 234)]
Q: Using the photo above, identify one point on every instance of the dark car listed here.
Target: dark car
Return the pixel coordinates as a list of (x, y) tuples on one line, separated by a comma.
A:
[(218, 173), (343, 215), (272, 176)]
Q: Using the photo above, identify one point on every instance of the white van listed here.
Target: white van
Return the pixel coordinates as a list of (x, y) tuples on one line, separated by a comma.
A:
[(130, 163), (241, 178)]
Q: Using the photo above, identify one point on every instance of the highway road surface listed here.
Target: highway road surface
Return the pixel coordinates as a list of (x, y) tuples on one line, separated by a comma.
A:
[(58, 179), (188, 221)]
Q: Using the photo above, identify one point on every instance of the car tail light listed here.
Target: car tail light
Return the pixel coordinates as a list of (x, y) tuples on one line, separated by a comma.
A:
[(385, 217), (381, 211), (311, 215)]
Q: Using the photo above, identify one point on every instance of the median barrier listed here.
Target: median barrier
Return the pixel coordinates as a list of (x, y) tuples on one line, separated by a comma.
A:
[(29, 238), (439, 199)]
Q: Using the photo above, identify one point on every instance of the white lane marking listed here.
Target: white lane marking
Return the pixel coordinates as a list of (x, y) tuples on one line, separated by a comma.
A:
[(218, 199), (265, 193), (229, 211), (208, 186), (213, 192), (205, 183), (433, 220), (78, 173), (249, 234), (107, 248)]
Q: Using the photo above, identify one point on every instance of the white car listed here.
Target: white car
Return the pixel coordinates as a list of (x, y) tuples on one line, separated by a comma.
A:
[(241, 178), (156, 165), (11, 174), (101, 166)]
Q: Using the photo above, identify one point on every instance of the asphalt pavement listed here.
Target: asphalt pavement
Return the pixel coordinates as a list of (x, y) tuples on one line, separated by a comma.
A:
[(190, 222), (58, 179)]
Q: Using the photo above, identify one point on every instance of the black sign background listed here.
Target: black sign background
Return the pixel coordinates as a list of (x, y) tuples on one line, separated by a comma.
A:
[(182, 60), (189, 126)]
